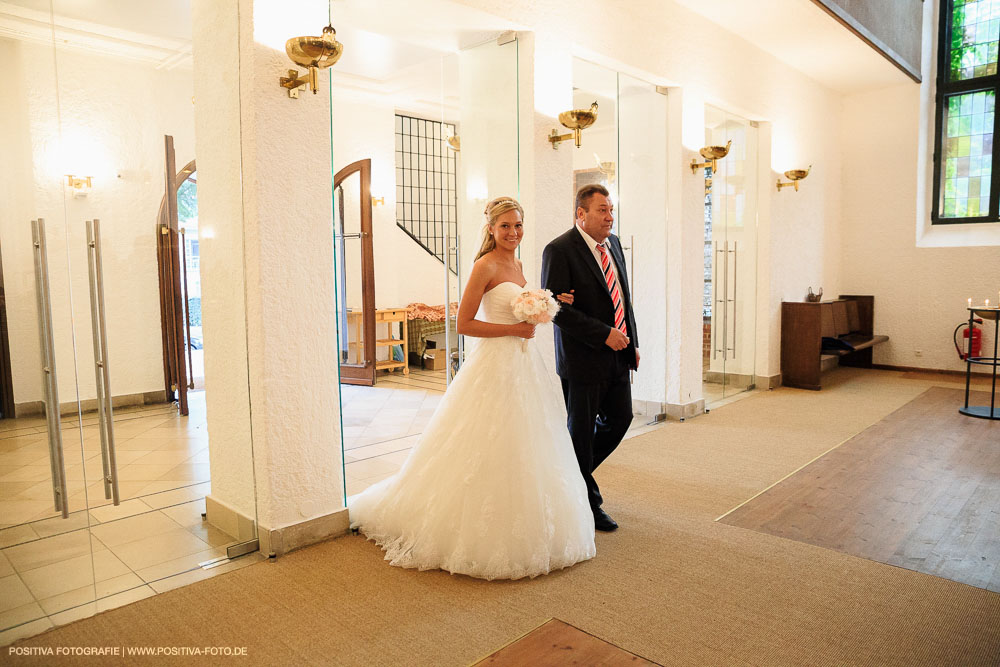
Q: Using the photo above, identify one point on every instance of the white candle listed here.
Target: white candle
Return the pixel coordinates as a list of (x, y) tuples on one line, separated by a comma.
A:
[(987, 303), (970, 302)]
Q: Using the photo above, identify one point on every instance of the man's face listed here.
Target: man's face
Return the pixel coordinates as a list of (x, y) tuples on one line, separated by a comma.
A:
[(598, 218)]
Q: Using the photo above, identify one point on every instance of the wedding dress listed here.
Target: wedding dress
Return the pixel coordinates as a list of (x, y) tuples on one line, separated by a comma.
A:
[(492, 489)]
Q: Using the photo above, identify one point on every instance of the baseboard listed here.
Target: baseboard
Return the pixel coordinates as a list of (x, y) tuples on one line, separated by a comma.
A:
[(650, 409), (768, 381), (685, 410), (280, 541), (37, 408), (229, 520), (917, 369)]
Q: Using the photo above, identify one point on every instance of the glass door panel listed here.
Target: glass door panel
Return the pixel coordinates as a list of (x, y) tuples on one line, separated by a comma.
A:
[(730, 258), (48, 553), (488, 160)]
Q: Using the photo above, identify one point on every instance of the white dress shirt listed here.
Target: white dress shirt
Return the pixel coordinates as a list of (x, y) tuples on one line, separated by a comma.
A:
[(592, 244)]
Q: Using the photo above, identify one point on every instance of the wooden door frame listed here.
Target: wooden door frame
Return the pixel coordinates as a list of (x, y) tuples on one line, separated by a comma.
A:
[(168, 255), (357, 374), (6, 379)]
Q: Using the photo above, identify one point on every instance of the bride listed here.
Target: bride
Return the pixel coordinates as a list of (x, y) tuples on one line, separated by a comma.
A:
[(492, 489)]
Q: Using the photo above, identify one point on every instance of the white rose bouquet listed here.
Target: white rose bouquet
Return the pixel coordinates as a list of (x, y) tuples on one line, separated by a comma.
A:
[(534, 306)]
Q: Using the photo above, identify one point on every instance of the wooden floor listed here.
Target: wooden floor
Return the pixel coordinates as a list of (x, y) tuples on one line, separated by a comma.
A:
[(919, 489), (556, 644)]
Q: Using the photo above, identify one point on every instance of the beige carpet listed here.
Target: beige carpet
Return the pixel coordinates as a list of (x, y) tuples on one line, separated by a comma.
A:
[(671, 585)]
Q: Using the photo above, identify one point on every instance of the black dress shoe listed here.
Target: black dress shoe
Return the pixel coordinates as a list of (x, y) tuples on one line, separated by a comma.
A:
[(604, 522)]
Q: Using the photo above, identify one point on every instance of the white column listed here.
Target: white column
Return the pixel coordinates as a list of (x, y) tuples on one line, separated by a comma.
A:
[(268, 278), (685, 255)]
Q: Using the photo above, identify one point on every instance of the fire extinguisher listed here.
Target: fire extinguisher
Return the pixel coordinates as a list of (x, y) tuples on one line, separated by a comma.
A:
[(977, 339)]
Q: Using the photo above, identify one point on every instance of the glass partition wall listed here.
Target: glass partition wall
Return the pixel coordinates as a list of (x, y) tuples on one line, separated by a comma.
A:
[(729, 306), (105, 463), (428, 152)]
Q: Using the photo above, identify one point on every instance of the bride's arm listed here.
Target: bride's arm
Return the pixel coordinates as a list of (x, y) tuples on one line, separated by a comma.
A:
[(472, 296)]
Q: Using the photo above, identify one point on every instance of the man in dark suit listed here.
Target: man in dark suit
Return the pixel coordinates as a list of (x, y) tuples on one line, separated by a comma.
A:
[(596, 342)]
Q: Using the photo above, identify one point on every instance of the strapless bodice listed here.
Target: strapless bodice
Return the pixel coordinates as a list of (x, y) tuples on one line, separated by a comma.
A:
[(496, 302)]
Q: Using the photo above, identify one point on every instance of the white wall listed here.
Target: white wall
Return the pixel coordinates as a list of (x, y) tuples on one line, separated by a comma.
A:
[(404, 272), (920, 292), (664, 43), (110, 131)]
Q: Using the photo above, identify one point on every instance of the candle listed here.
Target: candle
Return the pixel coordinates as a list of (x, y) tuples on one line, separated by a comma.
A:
[(970, 302), (987, 303)]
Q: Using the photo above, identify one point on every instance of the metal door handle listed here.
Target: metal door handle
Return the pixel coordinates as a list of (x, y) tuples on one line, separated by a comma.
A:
[(50, 382), (101, 371)]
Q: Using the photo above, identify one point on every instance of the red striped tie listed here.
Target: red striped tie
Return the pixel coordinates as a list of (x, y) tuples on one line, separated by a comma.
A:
[(616, 296)]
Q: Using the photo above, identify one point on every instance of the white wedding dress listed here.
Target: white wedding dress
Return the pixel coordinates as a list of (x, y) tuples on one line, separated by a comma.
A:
[(492, 489)]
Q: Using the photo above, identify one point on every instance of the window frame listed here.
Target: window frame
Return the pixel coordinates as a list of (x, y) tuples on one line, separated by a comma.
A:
[(945, 88)]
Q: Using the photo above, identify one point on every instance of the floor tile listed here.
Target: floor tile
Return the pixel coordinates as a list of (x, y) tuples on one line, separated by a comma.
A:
[(125, 509), (193, 576), (14, 593), (26, 630), (17, 535), (140, 554), (49, 550), (134, 528), (184, 563), (19, 615)]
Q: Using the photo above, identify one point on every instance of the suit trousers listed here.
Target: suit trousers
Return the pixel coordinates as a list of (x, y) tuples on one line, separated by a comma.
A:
[(599, 414)]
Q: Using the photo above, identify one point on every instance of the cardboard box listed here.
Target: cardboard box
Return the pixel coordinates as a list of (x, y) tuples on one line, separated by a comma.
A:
[(435, 360)]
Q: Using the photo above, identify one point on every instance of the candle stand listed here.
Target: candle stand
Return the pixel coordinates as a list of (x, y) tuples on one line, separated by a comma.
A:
[(982, 411)]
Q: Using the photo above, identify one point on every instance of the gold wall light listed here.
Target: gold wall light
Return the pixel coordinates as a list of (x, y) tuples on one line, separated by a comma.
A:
[(794, 175), (316, 53), (576, 120), (607, 168), (80, 185), (455, 143), (711, 154), (378, 201)]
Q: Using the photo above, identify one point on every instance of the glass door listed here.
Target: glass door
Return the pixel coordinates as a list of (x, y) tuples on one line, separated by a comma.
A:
[(49, 557), (729, 307), (486, 151)]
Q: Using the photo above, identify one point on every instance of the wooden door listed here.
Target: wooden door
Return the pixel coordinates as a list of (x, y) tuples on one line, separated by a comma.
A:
[(172, 307), (355, 266)]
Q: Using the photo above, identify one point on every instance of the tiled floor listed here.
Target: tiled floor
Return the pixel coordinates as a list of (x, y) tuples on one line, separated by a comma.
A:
[(55, 570)]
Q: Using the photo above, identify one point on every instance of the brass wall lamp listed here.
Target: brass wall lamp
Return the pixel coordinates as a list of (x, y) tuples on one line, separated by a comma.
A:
[(316, 53), (711, 154), (455, 143), (794, 175), (576, 120)]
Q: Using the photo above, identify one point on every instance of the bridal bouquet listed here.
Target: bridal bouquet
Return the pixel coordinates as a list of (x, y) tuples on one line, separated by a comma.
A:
[(534, 306)]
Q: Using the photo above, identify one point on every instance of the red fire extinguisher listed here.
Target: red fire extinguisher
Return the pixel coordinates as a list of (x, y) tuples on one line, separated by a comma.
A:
[(977, 339)]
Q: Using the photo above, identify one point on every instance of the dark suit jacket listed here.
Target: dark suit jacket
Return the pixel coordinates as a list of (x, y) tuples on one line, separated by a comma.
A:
[(581, 329)]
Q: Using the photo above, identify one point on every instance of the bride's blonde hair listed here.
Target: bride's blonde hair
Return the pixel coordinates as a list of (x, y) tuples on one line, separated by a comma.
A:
[(494, 210)]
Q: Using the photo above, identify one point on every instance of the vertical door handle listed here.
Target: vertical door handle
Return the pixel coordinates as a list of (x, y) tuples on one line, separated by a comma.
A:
[(736, 296), (187, 309), (50, 383), (101, 371)]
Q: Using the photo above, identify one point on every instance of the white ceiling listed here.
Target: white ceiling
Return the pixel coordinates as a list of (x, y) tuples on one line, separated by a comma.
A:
[(803, 36)]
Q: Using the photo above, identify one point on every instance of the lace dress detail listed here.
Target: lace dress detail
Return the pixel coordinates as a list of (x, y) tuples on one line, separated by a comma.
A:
[(492, 489)]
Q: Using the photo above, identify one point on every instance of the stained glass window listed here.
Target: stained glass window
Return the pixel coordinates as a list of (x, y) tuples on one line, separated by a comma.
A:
[(966, 95)]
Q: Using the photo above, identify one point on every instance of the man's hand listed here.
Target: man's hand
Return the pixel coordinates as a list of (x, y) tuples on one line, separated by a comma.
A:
[(616, 340)]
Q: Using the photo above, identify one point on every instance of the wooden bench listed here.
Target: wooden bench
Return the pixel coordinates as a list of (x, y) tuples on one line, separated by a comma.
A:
[(846, 323)]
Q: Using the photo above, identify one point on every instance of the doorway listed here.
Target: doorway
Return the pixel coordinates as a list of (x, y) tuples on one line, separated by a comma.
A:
[(730, 268)]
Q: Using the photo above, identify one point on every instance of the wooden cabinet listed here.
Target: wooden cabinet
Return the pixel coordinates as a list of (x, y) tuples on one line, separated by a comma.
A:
[(846, 323)]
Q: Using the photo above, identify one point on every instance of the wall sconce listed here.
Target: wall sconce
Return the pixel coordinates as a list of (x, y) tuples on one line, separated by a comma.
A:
[(576, 120), (794, 175), (711, 154), (455, 143), (606, 168), (316, 53), (80, 184), (380, 201)]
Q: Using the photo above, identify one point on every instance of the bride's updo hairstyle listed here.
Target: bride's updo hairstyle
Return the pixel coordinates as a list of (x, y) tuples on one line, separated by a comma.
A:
[(494, 210)]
